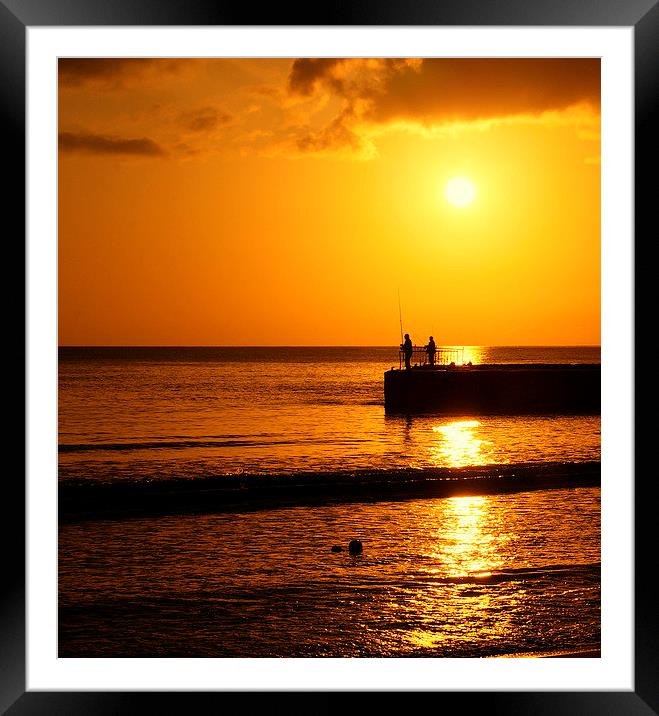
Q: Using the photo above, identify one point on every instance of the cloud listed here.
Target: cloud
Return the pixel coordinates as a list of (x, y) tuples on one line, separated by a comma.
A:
[(204, 119), (376, 94), (98, 144), (336, 136), (344, 76), (307, 73), (461, 89), (78, 71), (315, 106)]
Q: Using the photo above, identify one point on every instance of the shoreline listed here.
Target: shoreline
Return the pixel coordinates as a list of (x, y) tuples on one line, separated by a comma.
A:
[(245, 493), (576, 653)]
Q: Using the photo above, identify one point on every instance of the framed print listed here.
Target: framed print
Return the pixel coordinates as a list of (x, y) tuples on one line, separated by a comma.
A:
[(314, 319)]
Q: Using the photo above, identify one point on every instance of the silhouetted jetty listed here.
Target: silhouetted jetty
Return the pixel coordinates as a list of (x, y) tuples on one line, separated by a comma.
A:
[(517, 389)]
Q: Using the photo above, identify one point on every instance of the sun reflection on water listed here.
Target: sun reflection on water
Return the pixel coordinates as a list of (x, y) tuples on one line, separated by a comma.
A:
[(468, 545), (458, 445), (472, 354)]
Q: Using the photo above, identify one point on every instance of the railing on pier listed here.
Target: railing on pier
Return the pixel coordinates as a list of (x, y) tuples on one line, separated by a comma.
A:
[(443, 357)]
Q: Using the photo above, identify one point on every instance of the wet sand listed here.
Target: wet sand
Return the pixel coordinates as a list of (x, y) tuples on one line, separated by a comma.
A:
[(563, 654)]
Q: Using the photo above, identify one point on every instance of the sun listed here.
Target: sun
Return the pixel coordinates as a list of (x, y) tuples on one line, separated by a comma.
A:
[(460, 192)]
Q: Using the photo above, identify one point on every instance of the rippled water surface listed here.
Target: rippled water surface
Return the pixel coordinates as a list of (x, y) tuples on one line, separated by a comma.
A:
[(154, 413), (466, 576), (471, 575)]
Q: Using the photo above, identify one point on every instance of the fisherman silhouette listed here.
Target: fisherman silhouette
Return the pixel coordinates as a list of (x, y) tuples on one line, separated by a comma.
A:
[(407, 349), (431, 349)]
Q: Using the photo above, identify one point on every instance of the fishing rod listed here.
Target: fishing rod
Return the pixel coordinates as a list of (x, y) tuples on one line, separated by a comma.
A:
[(400, 318)]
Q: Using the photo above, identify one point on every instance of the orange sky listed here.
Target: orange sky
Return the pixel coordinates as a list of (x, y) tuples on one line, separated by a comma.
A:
[(285, 202)]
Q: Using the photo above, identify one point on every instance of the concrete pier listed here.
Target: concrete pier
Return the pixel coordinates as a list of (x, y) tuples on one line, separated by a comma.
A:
[(541, 388)]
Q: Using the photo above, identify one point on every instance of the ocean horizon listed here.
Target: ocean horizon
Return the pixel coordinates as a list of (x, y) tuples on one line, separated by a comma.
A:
[(296, 491), (202, 489)]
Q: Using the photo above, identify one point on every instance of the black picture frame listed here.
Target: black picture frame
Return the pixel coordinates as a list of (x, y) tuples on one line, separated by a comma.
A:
[(15, 17)]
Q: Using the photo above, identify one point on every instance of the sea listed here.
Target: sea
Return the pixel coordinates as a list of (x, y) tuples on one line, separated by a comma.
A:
[(475, 571)]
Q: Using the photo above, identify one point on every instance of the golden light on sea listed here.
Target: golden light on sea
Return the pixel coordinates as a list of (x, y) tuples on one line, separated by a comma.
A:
[(469, 547), (472, 354), (468, 542), (458, 445)]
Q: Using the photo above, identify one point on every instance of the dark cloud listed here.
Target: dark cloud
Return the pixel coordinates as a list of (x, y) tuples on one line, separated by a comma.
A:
[(98, 144), (76, 71), (336, 136), (459, 89), (344, 76), (307, 73), (439, 91), (204, 119)]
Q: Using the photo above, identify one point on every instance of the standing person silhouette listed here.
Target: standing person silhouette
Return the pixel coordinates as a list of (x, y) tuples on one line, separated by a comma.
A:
[(407, 349), (431, 350)]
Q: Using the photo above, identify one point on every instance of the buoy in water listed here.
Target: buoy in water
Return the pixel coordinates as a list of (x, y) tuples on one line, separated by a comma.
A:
[(337, 548), (355, 547)]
